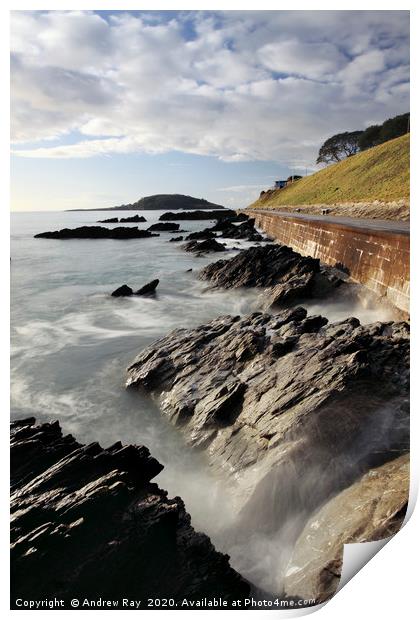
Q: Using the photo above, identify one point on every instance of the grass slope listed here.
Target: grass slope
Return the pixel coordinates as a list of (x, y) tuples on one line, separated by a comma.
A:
[(380, 173)]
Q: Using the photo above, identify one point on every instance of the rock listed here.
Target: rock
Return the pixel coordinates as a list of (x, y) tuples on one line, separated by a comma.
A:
[(176, 239), (372, 508), (201, 234), (241, 217), (111, 220), (87, 522), (97, 232), (246, 231), (275, 399), (148, 289), (164, 226), (222, 224), (122, 291), (209, 245), (286, 275), (199, 215), (133, 218), (296, 285)]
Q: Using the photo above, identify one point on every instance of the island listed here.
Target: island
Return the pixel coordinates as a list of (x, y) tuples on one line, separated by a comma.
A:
[(161, 201)]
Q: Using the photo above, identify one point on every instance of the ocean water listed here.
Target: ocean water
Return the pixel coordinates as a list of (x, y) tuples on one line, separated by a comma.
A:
[(72, 341)]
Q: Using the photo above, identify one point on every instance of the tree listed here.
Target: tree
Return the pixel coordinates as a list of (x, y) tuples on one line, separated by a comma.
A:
[(370, 137), (339, 146), (395, 127), (391, 128)]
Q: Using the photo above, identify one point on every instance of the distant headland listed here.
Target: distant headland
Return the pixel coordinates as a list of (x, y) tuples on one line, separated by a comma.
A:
[(161, 201)]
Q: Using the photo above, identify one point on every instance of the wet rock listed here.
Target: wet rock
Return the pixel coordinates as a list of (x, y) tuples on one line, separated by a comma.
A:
[(296, 285), (176, 239), (199, 215), (201, 234), (222, 224), (88, 522), (111, 220), (241, 217), (97, 232), (133, 218), (258, 266), (122, 291), (276, 398), (224, 228), (246, 231), (286, 275), (164, 226), (148, 288), (372, 508), (209, 245)]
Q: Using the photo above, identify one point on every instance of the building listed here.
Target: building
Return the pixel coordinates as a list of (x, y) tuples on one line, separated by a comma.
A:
[(288, 181), (279, 184)]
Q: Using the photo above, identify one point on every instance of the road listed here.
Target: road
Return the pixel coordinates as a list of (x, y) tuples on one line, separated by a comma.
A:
[(392, 226)]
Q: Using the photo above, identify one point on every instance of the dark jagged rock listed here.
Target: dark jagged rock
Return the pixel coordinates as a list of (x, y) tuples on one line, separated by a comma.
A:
[(227, 229), (275, 400), (124, 220), (199, 215), (201, 234), (97, 232), (240, 217), (133, 218), (209, 245), (122, 291), (221, 225), (165, 226), (148, 289), (286, 274), (87, 522), (175, 239), (245, 230), (258, 266)]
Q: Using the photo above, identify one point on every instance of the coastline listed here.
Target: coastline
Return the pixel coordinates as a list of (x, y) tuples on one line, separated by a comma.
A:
[(269, 340)]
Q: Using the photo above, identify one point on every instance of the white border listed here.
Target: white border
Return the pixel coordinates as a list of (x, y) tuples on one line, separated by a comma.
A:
[(387, 586)]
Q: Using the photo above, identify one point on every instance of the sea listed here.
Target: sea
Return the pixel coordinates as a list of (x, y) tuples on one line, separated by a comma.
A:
[(71, 343)]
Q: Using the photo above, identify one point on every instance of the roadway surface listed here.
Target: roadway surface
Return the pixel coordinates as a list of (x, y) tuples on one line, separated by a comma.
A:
[(392, 226)]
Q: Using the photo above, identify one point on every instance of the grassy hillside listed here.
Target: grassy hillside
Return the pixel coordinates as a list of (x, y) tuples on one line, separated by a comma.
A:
[(381, 173)]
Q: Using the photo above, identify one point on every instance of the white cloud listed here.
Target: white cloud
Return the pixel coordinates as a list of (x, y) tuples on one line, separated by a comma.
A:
[(235, 85), (311, 60)]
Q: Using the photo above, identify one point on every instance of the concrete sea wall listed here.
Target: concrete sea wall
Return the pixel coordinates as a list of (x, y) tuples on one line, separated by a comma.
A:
[(377, 258)]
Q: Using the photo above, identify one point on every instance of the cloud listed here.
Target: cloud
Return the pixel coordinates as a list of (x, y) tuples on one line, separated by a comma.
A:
[(310, 60), (234, 85)]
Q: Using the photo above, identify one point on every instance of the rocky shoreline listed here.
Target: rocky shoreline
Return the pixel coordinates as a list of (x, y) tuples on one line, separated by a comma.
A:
[(304, 419), (294, 412), (87, 522), (284, 276)]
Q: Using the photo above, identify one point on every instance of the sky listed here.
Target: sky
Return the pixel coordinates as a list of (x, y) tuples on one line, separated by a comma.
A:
[(107, 107)]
